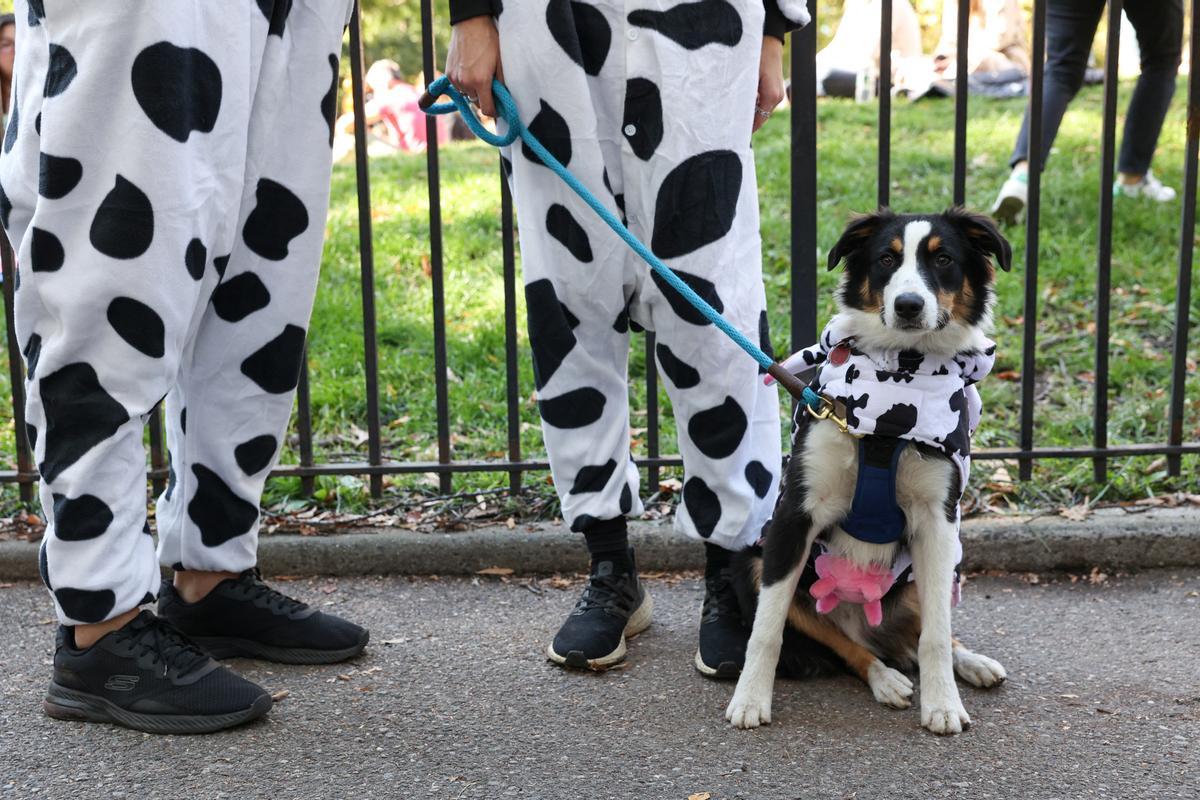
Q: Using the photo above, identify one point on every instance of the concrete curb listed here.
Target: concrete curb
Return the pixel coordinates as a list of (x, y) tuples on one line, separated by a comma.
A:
[(1111, 538)]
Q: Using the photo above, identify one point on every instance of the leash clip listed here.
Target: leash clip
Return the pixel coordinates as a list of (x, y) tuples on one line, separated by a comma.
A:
[(821, 407)]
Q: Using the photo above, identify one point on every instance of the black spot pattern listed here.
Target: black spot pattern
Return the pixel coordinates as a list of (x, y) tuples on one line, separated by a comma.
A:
[(852, 404), (696, 203), (681, 373), (852, 374), (58, 175), (942, 370), (37, 13), (86, 605), (686, 311), (256, 455), (195, 258), (959, 439), (694, 25), (61, 71), (5, 207), (581, 31), (910, 360), (217, 511), (719, 430), (32, 352), (43, 566), (574, 409), (31, 436), (621, 323), (550, 329), (562, 226), (240, 296), (883, 376), (79, 415), (275, 366), (897, 420), (45, 251), (593, 478), (14, 123), (759, 478), (644, 111), (276, 12), (764, 338), (552, 131), (329, 101), (37, 123), (220, 264), (124, 224), (77, 519), (703, 505), (139, 325), (183, 421), (278, 217), (626, 501), (171, 480)]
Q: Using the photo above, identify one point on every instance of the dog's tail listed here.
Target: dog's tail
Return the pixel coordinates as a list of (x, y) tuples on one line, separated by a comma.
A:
[(800, 658)]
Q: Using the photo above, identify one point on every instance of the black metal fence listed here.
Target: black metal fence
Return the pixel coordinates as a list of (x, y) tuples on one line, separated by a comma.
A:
[(803, 277)]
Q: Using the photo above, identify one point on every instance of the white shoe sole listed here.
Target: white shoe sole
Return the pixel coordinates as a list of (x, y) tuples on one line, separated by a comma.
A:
[(639, 620), (1008, 209)]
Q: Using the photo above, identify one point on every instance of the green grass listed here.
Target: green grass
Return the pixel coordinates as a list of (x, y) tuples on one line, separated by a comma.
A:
[(1145, 255)]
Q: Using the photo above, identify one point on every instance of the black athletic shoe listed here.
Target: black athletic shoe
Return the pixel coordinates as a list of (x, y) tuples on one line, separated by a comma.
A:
[(613, 606), (723, 636), (244, 617), (149, 677)]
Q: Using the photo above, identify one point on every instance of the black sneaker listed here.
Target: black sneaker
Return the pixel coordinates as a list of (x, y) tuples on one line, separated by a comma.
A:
[(613, 606), (244, 617), (723, 635), (149, 677)]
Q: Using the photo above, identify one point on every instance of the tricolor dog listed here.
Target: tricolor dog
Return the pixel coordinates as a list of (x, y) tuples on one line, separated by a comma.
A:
[(859, 565)]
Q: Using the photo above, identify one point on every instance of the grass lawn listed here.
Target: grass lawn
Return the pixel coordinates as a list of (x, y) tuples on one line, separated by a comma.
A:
[(1145, 253)]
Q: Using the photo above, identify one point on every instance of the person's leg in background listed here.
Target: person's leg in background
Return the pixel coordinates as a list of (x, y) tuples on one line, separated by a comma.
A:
[(1070, 29), (691, 192), (570, 87), (1159, 27), (229, 410), (126, 142)]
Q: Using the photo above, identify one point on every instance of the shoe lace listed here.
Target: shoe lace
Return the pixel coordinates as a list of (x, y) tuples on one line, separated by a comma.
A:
[(720, 599), (276, 600), (165, 645), (609, 593)]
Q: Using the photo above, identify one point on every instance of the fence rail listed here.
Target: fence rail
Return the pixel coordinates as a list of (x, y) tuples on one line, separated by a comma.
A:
[(803, 276)]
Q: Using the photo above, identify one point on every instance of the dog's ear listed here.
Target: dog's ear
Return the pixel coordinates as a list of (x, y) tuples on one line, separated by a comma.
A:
[(861, 228), (983, 235)]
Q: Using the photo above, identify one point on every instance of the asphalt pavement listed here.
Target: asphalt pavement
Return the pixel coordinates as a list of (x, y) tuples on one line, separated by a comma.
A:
[(454, 699)]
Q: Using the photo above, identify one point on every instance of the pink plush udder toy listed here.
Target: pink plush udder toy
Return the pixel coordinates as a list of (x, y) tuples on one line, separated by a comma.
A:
[(842, 579)]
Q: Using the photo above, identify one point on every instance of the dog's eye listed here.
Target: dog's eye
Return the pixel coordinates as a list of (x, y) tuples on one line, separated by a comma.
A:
[(943, 260), (887, 260)]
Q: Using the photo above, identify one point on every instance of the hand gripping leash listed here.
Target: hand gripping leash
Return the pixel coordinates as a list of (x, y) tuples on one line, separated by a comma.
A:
[(516, 129)]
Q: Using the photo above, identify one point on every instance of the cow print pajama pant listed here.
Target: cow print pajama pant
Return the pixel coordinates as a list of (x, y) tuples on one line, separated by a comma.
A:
[(165, 181), (651, 100)]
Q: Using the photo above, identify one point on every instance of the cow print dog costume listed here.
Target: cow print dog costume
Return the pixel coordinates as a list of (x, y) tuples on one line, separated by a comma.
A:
[(165, 184)]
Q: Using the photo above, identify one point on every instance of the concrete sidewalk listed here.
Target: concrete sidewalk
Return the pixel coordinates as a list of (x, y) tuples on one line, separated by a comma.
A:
[(454, 699), (1111, 539)]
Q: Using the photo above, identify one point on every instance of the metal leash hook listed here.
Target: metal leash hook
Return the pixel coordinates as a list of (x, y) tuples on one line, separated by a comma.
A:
[(507, 110)]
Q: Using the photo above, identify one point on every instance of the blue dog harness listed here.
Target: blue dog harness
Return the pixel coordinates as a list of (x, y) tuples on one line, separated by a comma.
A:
[(875, 516)]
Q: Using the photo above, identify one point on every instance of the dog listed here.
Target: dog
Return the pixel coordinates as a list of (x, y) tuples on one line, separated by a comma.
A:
[(898, 364)]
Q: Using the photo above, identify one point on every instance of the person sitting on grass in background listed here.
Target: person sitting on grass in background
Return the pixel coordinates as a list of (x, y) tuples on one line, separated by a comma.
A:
[(1070, 29)]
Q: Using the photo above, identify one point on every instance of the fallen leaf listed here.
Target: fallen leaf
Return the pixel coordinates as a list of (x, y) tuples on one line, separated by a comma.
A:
[(510, 523), (329, 588), (1075, 513), (1009, 375), (280, 695), (495, 571), (1097, 577), (700, 796)]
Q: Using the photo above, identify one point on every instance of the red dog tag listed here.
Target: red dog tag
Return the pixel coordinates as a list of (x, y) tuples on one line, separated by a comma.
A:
[(839, 354)]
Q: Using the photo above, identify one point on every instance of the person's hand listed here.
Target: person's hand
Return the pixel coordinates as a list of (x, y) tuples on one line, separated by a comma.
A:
[(474, 59), (770, 80)]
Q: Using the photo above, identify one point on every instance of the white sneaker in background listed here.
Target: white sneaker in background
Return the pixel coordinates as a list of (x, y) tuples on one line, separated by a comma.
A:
[(1149, 186), (1012, 198)]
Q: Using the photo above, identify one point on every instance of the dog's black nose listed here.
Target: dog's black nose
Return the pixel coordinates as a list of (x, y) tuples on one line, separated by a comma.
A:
[(909, 305)]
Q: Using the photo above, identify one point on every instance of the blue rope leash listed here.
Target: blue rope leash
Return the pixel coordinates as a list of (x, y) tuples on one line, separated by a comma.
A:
[(516, 129)]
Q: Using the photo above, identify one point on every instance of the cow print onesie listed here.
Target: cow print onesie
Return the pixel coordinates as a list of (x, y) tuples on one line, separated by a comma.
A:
[(650, 104), (165, 179)]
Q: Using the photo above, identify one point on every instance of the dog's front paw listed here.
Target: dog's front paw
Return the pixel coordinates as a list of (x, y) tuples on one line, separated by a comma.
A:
[(890, 687), (749, 708), (944, 717), (978, 670)]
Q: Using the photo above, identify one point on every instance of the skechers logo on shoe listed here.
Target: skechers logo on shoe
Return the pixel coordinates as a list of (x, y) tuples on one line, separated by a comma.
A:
[(121, 683)]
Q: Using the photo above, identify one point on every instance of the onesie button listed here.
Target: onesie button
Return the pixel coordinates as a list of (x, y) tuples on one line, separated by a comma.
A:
[(630, 130), (631, 34)]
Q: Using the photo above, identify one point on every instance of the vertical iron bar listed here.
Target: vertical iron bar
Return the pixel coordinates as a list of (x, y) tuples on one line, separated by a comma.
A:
[(366, 250), (652, 476), (304, 426), (512, 378), (157, 460), (16, 372), (435, 258), (1032, 214), (804, 184), (885, 102), (1104, 240), (960, 103), (1187, 230)]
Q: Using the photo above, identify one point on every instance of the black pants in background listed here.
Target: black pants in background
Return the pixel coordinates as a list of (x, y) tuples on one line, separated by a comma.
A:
[(1070, 29)]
